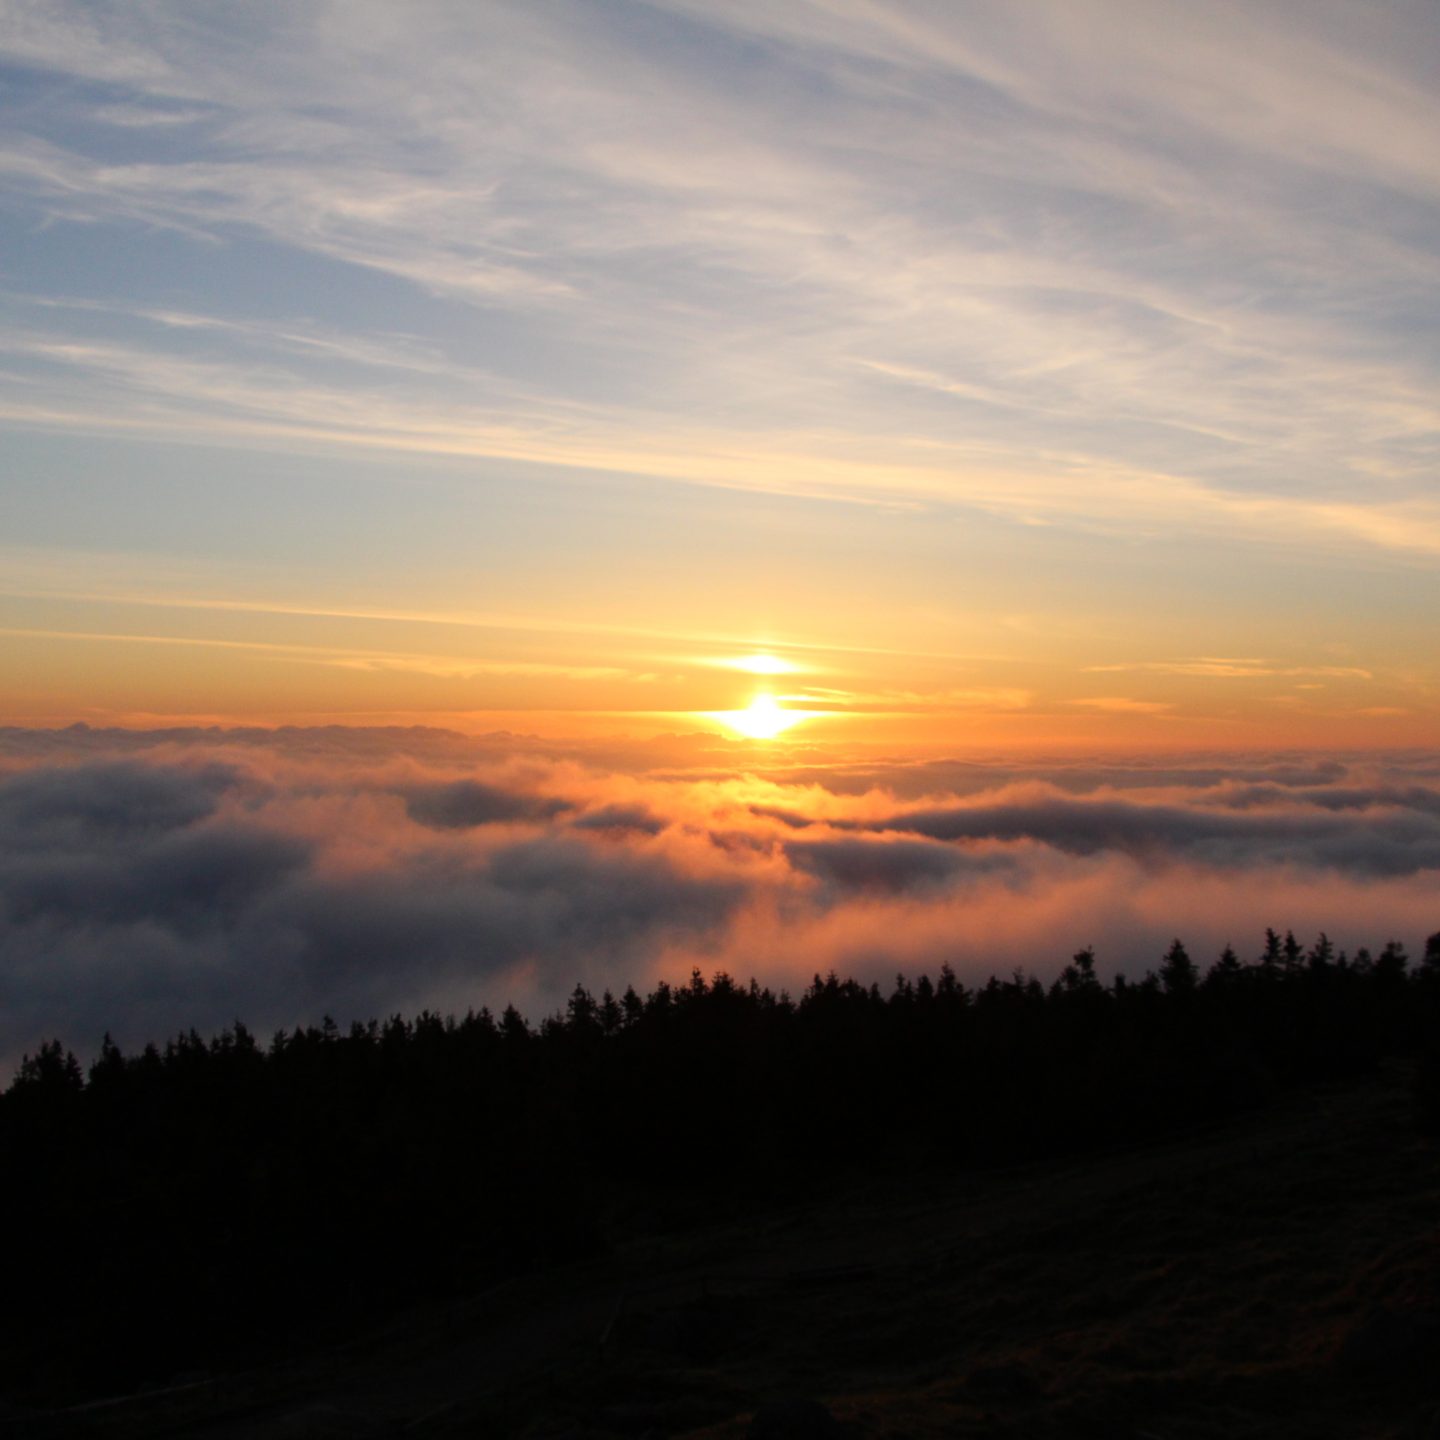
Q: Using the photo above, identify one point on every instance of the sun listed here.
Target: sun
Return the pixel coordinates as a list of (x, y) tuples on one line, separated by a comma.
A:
[(762, 719)]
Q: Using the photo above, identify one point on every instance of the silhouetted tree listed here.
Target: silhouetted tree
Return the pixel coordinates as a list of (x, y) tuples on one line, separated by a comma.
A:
[(1270, 958), (1177, 970), (1079, 975), (1322, 953), (1430, 960), (1391, 965), (451, 1153), (1226, 971)]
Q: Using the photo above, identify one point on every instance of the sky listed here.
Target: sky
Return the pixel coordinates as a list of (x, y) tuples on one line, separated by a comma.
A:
[(1058, 374), (955, 480)]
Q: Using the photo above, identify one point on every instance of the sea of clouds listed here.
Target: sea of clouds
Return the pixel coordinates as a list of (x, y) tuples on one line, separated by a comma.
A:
[(157, 880)]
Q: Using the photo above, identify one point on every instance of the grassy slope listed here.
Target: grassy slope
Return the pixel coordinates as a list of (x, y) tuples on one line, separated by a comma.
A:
[(1201, 1288)]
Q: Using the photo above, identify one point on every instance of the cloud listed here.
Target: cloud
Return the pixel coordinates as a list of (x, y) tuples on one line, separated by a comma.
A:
[(190, 884), (461, 804), (1375, 842), (621, 817), (1124, 705), (852, 866), (1059, 265), (107, 803), (995, 699), (1213, 667), (150, 881), (309, 872)]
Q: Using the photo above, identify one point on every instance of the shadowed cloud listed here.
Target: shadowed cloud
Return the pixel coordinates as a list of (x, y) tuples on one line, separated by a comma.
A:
[(152, 882), (621, 817), (1383, 843), (896, 865), (105, 804), (465, 803)]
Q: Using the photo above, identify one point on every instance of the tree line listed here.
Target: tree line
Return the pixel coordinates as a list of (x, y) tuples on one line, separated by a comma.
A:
[(206, 1203)]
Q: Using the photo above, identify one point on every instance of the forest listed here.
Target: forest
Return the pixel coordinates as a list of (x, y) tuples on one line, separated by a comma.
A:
[(210, 1203)]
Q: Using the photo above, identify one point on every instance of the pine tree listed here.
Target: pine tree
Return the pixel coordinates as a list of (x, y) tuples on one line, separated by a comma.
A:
[(1177, 970)]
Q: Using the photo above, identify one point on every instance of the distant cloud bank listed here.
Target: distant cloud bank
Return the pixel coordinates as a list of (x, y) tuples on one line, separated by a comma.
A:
[(153, 881)]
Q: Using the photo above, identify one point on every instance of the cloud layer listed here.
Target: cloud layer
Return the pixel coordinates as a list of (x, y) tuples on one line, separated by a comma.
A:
[(150, 882)]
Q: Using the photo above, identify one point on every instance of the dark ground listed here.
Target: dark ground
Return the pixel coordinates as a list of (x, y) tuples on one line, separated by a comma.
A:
[(1275, 1276)]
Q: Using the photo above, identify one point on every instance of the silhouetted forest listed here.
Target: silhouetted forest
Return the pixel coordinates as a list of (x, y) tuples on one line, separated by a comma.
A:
[(206, 1205)]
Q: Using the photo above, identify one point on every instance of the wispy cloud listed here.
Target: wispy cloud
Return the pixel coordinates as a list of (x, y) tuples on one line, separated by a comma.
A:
[(991, 698), (1133, 268), (455, 666), (116, 578), (1125, 705), (1214, 667)]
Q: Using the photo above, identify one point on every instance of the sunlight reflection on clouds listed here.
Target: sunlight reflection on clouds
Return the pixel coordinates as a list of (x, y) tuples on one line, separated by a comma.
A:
[(150, 882)]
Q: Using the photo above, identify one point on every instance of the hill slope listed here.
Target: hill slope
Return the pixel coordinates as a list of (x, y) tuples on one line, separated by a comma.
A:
[(1278, 1275)]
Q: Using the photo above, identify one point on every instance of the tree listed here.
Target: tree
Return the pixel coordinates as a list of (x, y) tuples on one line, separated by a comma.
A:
[(1322, 954), (1177, 970), (1226, 970), (612, 1017), (632, 1005), (582, 1014), (1078, 977), (1293, 952), (1270, 957), (52, 1070), (1391, 966), (1430, 961)]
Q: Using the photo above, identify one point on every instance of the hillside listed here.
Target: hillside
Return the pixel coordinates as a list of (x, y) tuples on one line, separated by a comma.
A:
[(1278, 1274)]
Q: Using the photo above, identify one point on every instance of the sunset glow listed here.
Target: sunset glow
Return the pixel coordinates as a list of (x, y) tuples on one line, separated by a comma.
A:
[(756, 664), (788, 344), (492, 441), (763, 719)]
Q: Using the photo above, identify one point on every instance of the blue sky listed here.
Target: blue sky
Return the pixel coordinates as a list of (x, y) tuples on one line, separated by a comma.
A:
[(1049, 348)]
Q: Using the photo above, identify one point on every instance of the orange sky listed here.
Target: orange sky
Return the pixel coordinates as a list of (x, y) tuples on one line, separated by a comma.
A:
[(218, 669), (1041, 376)]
